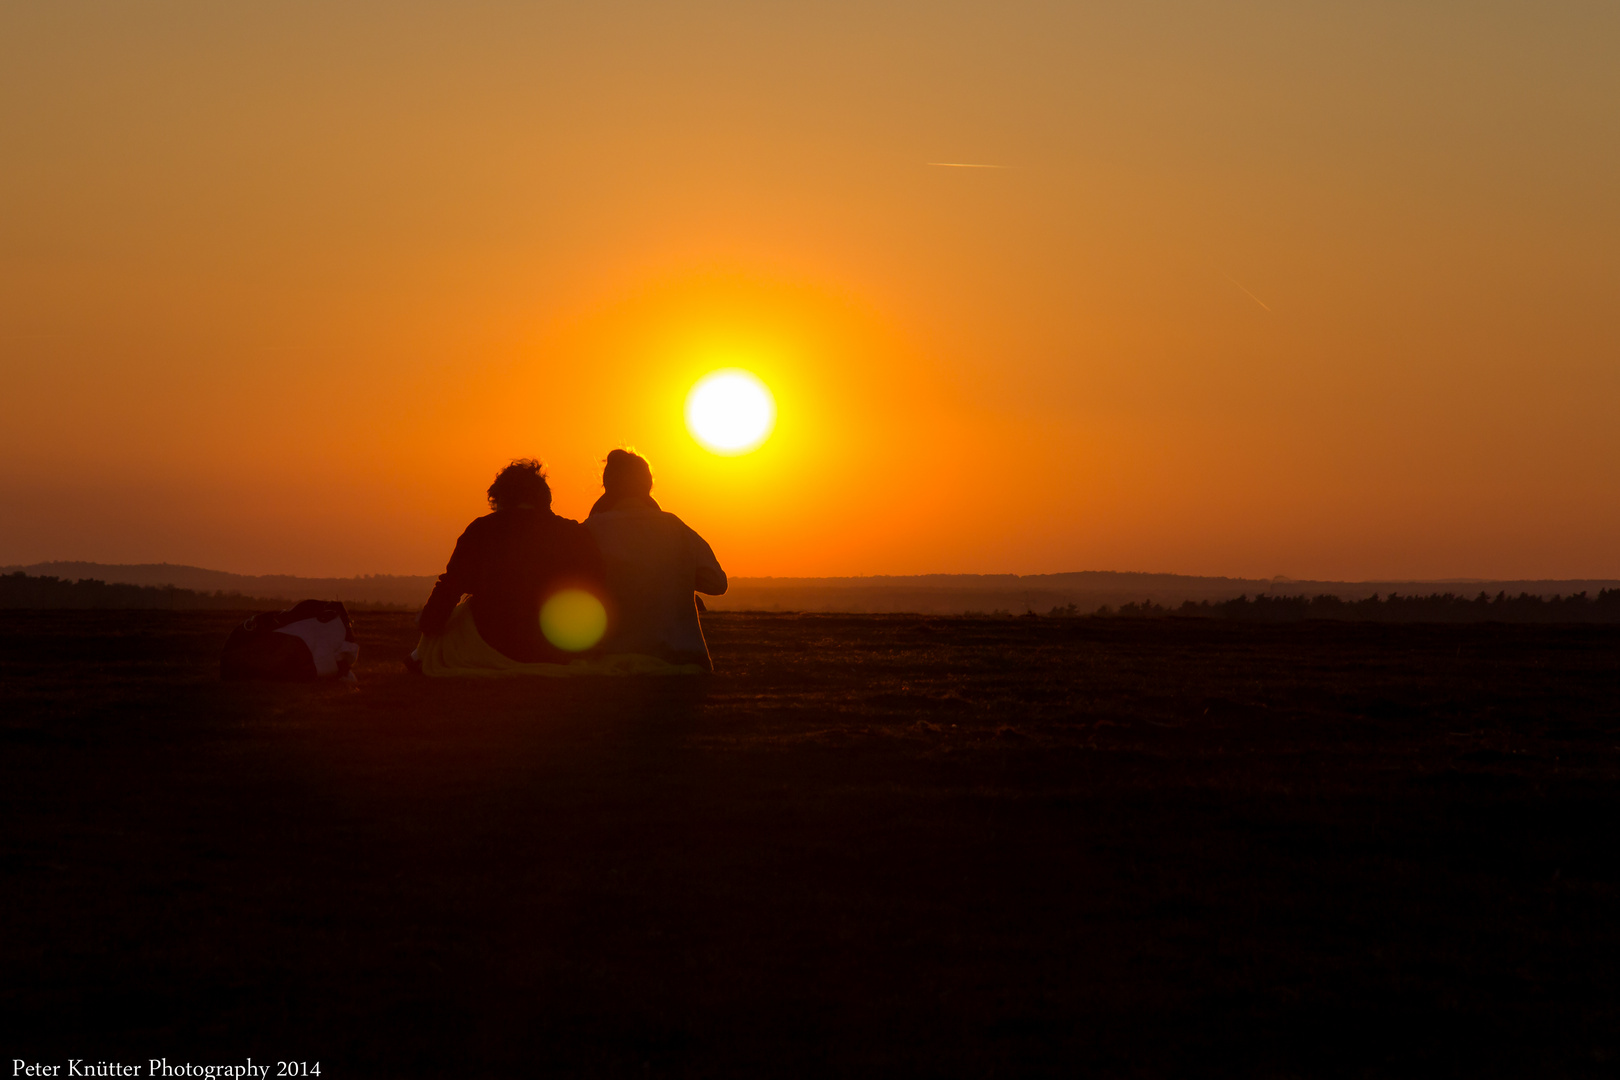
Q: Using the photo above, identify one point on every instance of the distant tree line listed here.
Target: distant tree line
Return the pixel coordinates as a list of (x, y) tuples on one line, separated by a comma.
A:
[(1436, 607), (21, 590)]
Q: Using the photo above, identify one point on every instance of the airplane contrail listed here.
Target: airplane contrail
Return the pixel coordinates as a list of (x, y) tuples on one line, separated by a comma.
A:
[(1246, 291), (1215, 266), (965, 165)]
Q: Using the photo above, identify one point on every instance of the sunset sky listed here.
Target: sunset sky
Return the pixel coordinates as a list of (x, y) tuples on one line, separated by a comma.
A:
[(1329, 290)]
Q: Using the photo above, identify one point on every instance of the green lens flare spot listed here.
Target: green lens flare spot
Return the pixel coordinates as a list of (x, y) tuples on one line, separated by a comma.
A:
[(573, 620)]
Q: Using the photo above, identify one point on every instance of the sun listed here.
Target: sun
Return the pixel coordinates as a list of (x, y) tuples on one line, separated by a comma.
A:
[(730, 411)]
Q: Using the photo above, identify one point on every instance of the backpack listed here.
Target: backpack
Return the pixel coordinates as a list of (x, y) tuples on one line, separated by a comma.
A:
[(313, 639)]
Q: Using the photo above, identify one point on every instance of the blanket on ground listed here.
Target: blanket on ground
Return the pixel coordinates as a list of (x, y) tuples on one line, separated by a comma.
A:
[(460, 651)]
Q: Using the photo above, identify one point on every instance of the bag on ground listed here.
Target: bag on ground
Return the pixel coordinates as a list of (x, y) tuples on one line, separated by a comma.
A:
[(313, 639)]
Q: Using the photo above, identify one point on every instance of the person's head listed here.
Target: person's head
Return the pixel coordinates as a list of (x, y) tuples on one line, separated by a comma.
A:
[(626, 473), (520, 485)]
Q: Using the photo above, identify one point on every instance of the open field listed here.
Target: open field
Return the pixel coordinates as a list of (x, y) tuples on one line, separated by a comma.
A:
[(879, 844)]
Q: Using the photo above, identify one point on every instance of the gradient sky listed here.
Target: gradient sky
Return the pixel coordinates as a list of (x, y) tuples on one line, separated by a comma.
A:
[(1327, 290)]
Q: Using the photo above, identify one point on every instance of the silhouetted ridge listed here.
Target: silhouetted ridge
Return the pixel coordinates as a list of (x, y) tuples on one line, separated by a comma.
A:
[(19, 590), (1395, 608), (932, 594), (381, 589)]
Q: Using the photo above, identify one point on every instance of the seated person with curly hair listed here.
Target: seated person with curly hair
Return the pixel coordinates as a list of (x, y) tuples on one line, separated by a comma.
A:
[(508, 563)]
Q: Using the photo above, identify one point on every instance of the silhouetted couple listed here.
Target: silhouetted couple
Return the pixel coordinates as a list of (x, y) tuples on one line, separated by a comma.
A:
[(523, 570)]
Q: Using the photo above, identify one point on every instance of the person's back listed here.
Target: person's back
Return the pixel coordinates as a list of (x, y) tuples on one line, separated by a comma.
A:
[(654, 563), (510, 561)]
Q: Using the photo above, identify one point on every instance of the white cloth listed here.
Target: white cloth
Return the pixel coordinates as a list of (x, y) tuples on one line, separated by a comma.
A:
[(654, 563), (328, 643)]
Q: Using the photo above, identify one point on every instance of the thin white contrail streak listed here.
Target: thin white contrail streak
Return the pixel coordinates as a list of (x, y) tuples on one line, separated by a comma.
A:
[(1246, 291), (965, 165)]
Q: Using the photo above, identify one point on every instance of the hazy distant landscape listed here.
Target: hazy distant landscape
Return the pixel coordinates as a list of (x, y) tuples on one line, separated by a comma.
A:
[(930, 594)]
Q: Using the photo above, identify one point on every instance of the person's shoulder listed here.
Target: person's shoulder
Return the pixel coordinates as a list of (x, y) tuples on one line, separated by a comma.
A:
[(626, 513), (480, 525), (676, 518), (676, 524), (567, 526)]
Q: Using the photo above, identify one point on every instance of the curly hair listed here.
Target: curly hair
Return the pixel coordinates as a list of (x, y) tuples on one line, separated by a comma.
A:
[(522, 483)]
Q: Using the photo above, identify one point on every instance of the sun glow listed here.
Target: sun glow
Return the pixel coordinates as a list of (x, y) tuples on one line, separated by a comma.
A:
[(730, 411)]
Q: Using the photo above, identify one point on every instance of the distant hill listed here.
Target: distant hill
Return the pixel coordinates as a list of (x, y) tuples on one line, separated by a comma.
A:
[(371, 589), (956, 593), (934, 594), (44, 592), (1086, 590)]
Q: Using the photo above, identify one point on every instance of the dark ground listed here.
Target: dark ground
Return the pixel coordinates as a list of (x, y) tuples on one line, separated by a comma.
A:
[(875, 844)]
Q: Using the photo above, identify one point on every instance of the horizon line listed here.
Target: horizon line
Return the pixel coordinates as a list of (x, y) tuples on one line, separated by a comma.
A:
[(1277, 579)]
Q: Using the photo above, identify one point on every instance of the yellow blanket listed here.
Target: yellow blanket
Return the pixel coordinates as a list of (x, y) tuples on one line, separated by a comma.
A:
[(459, 651)]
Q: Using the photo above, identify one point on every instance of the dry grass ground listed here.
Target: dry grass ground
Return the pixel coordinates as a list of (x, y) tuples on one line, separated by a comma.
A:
[(869, 844)]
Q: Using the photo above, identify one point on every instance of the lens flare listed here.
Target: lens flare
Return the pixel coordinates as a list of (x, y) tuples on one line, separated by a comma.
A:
[(573, 620), (730, 411)]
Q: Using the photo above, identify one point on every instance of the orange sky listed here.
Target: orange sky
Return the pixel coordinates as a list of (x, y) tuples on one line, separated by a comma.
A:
[(1324, 290)]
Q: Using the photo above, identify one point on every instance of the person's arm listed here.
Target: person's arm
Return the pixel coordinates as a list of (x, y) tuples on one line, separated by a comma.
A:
[(710, 578), (447, 591)]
